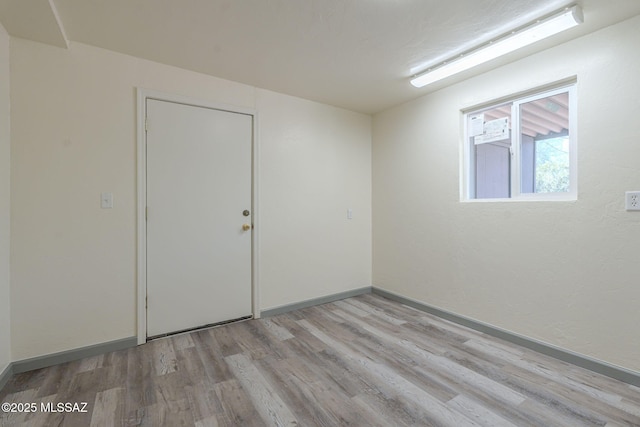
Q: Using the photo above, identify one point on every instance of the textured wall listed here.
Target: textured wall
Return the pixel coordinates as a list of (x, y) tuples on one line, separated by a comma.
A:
[(560, 272), (74, 136), (5, 157), (315, 164)]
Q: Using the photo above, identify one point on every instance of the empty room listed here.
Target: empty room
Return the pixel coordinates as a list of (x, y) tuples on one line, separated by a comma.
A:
[(319, 213)]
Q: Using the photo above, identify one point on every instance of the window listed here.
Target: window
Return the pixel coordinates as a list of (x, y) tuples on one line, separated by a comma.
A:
[(523, 149)]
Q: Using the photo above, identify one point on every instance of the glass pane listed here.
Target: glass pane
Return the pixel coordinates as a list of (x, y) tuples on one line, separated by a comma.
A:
[(552, 165), (544, 145), (490, 132), (493, 171)]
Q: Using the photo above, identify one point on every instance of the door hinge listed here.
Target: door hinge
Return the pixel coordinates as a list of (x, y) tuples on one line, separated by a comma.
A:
[(146, 213), (146, 124)]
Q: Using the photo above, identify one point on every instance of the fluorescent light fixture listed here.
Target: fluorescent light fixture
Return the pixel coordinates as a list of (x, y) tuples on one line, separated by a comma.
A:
[(526, 35)]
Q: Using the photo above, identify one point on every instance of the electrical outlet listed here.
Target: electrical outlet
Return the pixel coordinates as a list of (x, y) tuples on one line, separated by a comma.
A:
[(632, 200)]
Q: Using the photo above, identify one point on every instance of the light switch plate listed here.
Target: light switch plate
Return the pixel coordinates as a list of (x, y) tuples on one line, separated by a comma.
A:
[(106, 200)]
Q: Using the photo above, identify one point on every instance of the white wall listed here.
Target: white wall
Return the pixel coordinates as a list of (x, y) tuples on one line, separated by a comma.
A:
[(315, 164), (73, 137), (5, 163), (562, 272)]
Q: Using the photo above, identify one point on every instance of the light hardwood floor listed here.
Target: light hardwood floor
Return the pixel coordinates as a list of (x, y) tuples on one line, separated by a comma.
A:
[(363, 361)]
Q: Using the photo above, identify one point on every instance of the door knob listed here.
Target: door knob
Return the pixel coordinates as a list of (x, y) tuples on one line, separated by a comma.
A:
[(246, 227)]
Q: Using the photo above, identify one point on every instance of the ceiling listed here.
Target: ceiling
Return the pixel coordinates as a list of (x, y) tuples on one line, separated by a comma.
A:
[(355, 54)]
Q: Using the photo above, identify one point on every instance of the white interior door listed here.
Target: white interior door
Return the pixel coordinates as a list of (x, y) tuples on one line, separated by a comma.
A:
[(199, 178)]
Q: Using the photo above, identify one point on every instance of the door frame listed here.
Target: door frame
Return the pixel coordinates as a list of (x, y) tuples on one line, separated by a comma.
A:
[(141, 243)]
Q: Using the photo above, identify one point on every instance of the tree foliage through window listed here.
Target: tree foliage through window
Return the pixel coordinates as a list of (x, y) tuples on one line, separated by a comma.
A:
[(552, 165)]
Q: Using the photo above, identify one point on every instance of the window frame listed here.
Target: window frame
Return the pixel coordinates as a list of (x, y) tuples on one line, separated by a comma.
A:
[(468, 174)]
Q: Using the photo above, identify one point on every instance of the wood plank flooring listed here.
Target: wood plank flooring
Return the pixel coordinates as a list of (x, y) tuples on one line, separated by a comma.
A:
[(363, 361)]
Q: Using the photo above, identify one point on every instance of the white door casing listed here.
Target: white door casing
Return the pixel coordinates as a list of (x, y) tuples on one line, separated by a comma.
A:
[(195, 260)]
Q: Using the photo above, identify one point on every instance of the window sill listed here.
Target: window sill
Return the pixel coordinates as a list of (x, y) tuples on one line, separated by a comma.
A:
[(546, 198)]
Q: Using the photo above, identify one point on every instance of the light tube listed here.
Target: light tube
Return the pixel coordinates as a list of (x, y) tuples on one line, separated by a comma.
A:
[(529, 34)]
